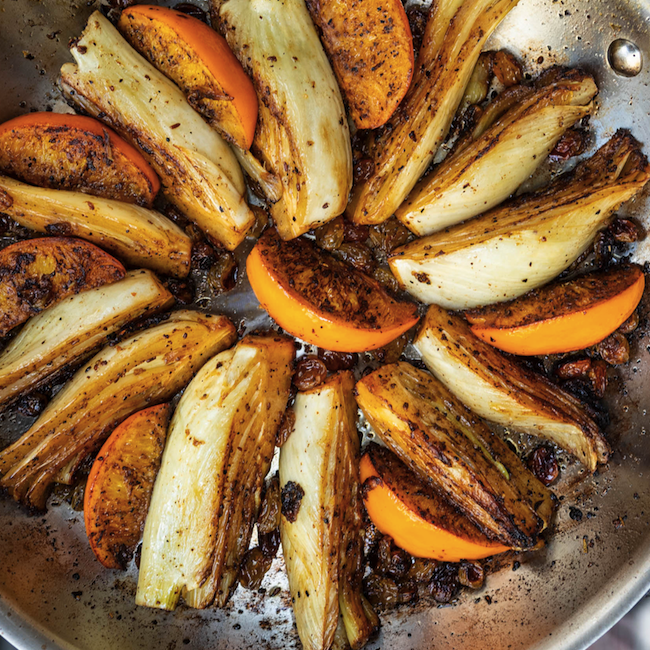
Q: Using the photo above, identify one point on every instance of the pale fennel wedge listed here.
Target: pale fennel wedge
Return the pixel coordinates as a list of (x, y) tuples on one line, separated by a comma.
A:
[(74, 329), (501, 391), (198, 171), (527, 241), (321, 526), (207, 493), (449, 448), (146, 369)]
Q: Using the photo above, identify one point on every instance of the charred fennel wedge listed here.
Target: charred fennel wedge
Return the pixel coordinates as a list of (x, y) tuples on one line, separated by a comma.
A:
[(302, 132), (321, 516), (207, 493), (454, 36), (443, 442), (139, 236), (146, 369), (497, 158), (74, 328), (501, 391), (199, 172), (527, 241)]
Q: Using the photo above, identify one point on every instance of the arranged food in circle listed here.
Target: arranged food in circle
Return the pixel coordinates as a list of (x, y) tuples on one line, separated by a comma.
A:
[(322, 300), (77, 153), (564, 316), (119, 486), (416, 517)]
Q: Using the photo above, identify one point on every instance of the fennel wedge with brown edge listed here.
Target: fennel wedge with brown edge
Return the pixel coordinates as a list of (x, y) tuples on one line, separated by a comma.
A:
[(37, 273), (499, 390), (208, 491), (139, 236), (302, 132), (455, 33), (443, 442), (74, 329), (527, 241), (497, 158), (198, 171), (148, 368), (321, 525)]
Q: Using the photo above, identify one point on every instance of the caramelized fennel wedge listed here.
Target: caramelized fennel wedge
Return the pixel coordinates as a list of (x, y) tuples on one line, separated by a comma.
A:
[(455, 34), (494, 163), (199, 172), (321, 521), (302, 133), (501, 391), (74, 328), (443, 442), (139, 236), (207, 493), (527, 241), (147, 368)]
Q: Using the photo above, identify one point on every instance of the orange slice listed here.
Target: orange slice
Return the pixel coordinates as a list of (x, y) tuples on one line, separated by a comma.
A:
[(562, 317), (322, 300), (417, 519), (72, 152), (200, 63), (120, 483)]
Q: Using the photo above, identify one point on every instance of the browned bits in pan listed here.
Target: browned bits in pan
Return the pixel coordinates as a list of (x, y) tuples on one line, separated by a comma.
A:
[(182, 290), (615, 349), (543, 464), (310, 372)]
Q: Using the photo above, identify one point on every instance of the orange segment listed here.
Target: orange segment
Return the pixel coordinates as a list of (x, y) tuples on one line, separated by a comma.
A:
[(73, 152), (200, 62), (563, 317), (322, 300), (120, 483), (443, 535)]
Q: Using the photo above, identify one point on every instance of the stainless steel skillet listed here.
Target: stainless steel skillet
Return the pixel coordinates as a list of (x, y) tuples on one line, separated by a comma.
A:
[(53, 594)]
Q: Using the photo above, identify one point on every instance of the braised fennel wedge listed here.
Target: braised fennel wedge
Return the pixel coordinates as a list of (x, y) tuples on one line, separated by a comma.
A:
[(302, 132), (207, 493), (198, 170), (527, 241), (499, 390), (74, 328), (511, 139), (148, 368), (443, 442), (454, 36), (139, 236), (321, 527)]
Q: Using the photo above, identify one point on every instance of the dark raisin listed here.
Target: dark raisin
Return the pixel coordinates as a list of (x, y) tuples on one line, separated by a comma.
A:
[(630, 324), (471, 574), (399, 563), (603, 248), (615, 349), (192, 10), (598, 377), (357, 255), (286, 427), (392, 352), (571, 144), (625, 231), (444, 583), (576, 369), (417, 16), (543, 464), (175, 215), (203, 256), (253, 568), (270, 543), (355, 233), (335, 361), (506, 68), (381, 591), (33, 404), (575, 513), (269, 515), (310, 372), (387, 236), (385, 277), (330, 236), (422, 570)]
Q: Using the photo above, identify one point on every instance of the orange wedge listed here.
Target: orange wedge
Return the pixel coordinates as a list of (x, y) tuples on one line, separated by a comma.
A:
[(417, 519), (120, 483), (562, 317), (322, 300), (73, 152), (200, 63)]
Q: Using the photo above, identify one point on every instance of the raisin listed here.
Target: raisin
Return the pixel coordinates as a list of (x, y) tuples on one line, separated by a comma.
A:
[(291, 498), (310, 372), (203, 256), (270, 543), (253, 568), (571, 144), (261, 221), (625, 231), (422, 570), (355, 233), (330, 236), (385, 277), (192, 10), (630, 324), (33, 404), (335, 361), (615, 349), (357, 255), (269, 515), (392, 352), (444, 584), (381, 591), (182, 290), (471, 574), (506, 68), (543, 464), (286, 427)]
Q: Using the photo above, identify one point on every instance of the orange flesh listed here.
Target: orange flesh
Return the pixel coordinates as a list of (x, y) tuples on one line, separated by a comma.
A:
[(569, 332), (301, 319), (411, 532), (84, 124), (213, 50)]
